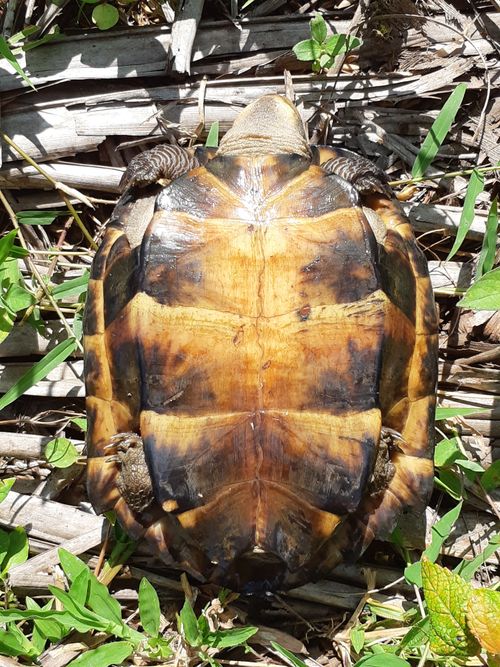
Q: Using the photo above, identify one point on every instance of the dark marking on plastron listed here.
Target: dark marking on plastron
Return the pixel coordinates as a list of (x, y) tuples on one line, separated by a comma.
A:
[(93, 370), (125, 374), (428, 370), (346, 267), (120, 281), (397, 355), (398, 280), (354, 388), (93, 305)]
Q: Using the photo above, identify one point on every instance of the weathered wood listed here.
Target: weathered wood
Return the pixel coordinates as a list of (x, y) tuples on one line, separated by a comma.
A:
[(80, 176), (184, 33), (144, 52), (26, 445), (65, 380)]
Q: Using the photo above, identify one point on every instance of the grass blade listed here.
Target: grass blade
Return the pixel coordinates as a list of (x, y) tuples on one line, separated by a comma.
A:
[(475, 187), (437, 134), (487, 255), (40, 370), (6, 53), (213, 135)]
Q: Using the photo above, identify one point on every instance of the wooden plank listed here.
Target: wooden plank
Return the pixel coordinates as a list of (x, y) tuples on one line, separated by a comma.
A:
[(144, 52), (27, 445), (74, 174)]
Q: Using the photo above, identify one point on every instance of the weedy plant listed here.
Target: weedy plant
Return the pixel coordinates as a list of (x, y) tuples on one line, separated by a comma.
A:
[(320, 49)]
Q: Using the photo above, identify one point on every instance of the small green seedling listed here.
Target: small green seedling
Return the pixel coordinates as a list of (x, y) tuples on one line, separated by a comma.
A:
[(323, 50)]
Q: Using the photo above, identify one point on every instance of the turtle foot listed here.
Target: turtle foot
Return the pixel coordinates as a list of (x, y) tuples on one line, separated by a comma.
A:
[(133, 481)]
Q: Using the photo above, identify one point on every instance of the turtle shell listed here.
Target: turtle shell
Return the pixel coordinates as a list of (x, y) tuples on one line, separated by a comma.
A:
[(267, 351)]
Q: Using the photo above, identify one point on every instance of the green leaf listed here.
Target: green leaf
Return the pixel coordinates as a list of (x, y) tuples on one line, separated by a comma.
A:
[(308, 49), (149, 608), (340, 43), (288, 656), (213, 135), (317, 26), (234, 637), (484, 294), (418, 635), (189, 624), (447, 596), (73, 287), (466, 569), (61, 453), (103, 603), (6, 244), (79, 613), (5, 486), (17, 549), (468, 465), (42, 368), (47, 628), (491, 477), (158, 648), (448, 413), (105, 16), (382, 660), (357, 637), (79, 589), (446, 452), (483, 618), (14, 643), (440, 532), (18, 298), (104, 656), (38, 217), (438, 131), (450, 483), (487, 255), (325, 61), (72, 565), (81, 422), (474, 188), (6, 53)]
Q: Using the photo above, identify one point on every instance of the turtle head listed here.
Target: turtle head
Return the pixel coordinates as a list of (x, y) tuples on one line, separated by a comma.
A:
[(271, 125)]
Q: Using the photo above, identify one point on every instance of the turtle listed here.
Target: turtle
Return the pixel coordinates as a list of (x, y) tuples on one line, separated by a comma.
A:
[(260, 361)]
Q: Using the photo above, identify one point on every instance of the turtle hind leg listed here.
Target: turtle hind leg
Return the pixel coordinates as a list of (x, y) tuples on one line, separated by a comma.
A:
[(163, 162), (133, 480), (365, 176)]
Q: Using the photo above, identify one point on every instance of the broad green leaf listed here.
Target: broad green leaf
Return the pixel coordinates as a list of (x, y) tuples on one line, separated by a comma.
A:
[(189, 624), (72, 565), (6, 53), (158, 648), (79, 589), (61, 453), (73, 287), (18, 298), (448, 413), (47, 628), (6, 244), (17, 549), (325, 61), (104, 656), (5, 486), (418, 635), (382, 660), (487, 255), (446, 452), (39, 371), (14, 643), (339, 43), (103, 603), (483, 618), (440, 532), (81, 422), (484, 294), (467, 568), (449, 482), (149, 608), (491, 477), (469, 466), (38, 217), (438, 131), (234, 637), (308, 49), (213, 135), (288, 656), (447, 597), (317, 25), (357, 637), (62, 617), (105, 16), (80, 613), (474, 188)]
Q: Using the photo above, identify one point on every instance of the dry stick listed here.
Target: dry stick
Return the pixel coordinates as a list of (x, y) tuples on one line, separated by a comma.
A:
[(55, 184), (445, 174), (482, 115), (36, 273)]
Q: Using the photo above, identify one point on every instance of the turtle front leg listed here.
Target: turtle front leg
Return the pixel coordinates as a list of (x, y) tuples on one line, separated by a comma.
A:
[(162, 163), (366, 177), (134, 480)]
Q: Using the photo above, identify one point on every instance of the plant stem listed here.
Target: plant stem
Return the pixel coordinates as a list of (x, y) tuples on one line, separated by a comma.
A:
[(444, 174), (56, 186)]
